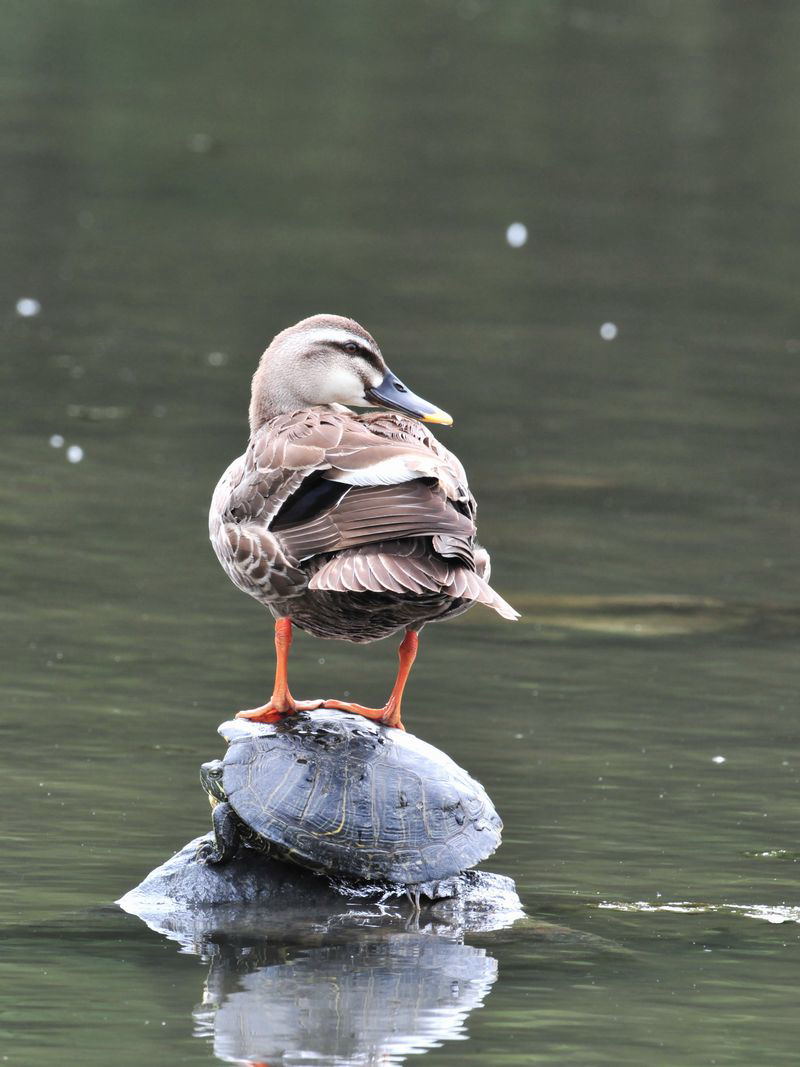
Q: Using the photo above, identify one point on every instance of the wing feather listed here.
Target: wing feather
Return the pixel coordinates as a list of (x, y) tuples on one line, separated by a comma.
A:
[(372, 514), (406, 525)]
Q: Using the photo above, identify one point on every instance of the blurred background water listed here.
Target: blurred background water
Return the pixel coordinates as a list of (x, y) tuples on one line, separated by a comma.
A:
[(180, 181)]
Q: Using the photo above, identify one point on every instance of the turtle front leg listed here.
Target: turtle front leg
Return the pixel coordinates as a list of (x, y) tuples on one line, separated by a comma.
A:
[(226, 837), (281, 703)]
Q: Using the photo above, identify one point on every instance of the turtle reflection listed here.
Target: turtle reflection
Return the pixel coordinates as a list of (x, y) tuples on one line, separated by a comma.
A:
[(370, 1001)]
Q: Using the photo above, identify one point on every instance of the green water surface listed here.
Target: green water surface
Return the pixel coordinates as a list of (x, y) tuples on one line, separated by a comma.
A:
[(181, 180)]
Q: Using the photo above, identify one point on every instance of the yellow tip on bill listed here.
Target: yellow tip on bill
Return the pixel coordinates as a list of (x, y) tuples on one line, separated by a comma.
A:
[(439, 417)]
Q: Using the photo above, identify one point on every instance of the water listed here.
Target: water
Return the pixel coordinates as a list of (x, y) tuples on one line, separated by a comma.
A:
[(179, 184)]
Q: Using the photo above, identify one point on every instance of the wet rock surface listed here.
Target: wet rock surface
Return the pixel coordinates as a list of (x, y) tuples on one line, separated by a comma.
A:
[(187, 899)]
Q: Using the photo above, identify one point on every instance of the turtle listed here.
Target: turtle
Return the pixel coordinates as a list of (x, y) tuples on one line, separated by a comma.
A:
[(347, 797)]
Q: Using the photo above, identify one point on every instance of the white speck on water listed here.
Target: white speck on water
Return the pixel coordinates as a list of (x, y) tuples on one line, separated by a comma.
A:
[(74, 453), (201, 143), (517, 234), (321, 661), (216, 359), (56, 441), (717, 759), (608, 331), (27, 307)]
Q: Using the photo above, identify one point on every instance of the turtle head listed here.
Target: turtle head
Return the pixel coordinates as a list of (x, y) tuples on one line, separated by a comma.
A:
[(211, 780)]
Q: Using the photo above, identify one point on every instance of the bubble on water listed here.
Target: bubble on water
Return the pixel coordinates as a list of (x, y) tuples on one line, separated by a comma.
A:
[(27, 307), (608, 331), (517, 234), (201, 143), (56, 441), (216, 359), (717, 759), (74, 453)]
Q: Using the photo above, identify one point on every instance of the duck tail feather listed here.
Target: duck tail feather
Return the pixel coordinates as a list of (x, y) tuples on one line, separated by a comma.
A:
[(492, 599)]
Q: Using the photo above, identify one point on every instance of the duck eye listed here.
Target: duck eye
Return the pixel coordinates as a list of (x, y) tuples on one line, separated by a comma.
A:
[(350, 347)]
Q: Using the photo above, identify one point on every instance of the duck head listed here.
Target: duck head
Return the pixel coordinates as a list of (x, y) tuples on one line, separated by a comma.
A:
[(327, 359)]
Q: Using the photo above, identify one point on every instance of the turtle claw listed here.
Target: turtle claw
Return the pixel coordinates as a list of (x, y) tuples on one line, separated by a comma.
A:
[(207, 853)]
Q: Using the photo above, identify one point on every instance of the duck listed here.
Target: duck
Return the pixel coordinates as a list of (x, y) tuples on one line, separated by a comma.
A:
[(347, 524)]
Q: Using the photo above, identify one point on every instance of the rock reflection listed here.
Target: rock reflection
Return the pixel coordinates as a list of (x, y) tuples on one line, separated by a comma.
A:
[(374, 1000), (313, 976)]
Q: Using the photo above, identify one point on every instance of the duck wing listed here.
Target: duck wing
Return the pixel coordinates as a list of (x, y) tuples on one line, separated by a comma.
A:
[(378, 493), (367, 515), (381, 480), (404, 567)]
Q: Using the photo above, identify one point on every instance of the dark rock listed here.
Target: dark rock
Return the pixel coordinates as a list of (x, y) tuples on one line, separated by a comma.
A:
[(249, 878), (190, 901)]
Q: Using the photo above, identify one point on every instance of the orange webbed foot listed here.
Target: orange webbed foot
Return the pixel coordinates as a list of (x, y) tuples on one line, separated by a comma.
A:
[(277, 712), (386, 716)]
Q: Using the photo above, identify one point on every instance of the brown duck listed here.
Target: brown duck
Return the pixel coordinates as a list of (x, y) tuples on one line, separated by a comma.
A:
[(349, 526)]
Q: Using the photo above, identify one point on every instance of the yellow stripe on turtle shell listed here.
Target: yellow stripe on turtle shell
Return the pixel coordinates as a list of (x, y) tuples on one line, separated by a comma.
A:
[(338, 829)]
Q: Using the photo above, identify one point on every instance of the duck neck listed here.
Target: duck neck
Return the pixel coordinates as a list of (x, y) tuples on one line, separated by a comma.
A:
[(269, 399)]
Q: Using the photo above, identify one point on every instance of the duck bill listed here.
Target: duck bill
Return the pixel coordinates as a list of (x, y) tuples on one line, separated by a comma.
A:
[(391, 393)]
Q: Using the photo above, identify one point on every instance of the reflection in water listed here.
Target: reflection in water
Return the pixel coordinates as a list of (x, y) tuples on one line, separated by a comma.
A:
[(337, 981), (370, 1001)]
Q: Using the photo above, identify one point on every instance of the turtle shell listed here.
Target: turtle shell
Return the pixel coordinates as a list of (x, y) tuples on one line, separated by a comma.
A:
[(340, 794)]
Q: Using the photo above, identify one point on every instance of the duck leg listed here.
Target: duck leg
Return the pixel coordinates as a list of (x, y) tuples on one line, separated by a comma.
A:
[(281, 703), (389, 714)]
